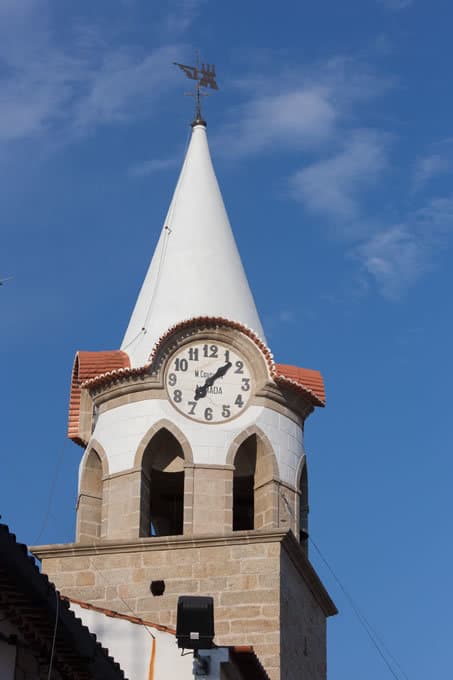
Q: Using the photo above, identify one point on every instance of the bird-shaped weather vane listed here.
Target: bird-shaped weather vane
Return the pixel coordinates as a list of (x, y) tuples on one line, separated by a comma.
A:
[(205, 76)]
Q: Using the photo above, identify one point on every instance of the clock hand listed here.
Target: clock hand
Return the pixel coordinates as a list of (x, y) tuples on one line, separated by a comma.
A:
[(202, 390)]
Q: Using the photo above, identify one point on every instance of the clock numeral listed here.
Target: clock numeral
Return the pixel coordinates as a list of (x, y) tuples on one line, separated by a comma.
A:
[(192, 405), (181, 364), (226, 411), (245, 384), (239, 401), (193, 353), (227, 356), (172, 380), (210, 351), (239, 367), (177, 396), (208, 413)]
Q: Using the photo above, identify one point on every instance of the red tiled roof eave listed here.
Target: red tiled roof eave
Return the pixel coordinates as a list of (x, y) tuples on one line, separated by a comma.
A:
[(87, 365), (118, 615), (305, 380)]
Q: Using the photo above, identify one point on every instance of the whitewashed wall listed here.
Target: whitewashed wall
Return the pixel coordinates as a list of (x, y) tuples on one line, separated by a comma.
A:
[(120, 431), (130, 644)]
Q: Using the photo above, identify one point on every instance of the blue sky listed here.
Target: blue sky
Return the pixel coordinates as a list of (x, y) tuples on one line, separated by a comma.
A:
[(332, 140)]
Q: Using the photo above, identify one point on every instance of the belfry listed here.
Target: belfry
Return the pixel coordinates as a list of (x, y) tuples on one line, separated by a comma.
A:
[(194, 473)]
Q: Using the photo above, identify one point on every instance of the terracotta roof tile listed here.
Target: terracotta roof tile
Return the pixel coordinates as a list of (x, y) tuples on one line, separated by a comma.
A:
[(117, 615), (86, 366), (310, 381)]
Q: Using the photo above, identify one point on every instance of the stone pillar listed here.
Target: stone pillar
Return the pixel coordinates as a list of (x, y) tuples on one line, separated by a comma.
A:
[(212, 499), (266, 505), (188, 498), (122, 505)]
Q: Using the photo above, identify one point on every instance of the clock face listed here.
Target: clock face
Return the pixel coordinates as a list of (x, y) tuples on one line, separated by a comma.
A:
[(209, 382)]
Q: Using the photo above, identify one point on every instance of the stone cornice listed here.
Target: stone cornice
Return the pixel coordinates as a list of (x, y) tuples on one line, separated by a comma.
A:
[(155, 543)]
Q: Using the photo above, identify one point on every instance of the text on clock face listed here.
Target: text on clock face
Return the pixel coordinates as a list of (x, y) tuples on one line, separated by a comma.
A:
[(208, 382)]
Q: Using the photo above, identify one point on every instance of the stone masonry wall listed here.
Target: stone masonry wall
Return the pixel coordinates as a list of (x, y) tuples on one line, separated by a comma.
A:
[(264, 589), (243, 579), (302, 627)]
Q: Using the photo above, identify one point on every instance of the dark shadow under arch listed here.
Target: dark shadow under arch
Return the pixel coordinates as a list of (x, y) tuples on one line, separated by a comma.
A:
[(303, 503), (255, 472), (162, 486)]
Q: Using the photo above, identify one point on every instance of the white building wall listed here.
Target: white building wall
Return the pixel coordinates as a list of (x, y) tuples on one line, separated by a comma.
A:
[(119, 431), (131, 646)]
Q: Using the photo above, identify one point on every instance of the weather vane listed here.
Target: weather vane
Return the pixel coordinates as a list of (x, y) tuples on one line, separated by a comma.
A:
[(205, 76)]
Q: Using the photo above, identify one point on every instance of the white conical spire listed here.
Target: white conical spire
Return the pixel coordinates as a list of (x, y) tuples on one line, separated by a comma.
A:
[(196, 269)]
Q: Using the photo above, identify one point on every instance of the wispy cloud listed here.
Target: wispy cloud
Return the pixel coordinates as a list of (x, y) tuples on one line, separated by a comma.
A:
[(296, 108), (181, 14), (149, 167), (123, 86), (56, 93), (396, 257), (427, 167), (331, 187), (301, 117)]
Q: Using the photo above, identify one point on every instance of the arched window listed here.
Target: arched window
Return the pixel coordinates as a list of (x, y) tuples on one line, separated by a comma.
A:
[(303, 507), (255, 491), (89, 511), (244, 485), (162, 487)]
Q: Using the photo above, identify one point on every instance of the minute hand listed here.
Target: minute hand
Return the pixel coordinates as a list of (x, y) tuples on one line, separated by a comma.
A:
[(202, 390)]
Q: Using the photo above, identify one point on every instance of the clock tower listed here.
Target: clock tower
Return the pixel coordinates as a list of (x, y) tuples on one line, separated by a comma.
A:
[(194, 473)]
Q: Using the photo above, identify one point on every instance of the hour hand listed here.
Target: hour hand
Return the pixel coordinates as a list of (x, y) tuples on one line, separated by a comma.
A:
[(202, 390)]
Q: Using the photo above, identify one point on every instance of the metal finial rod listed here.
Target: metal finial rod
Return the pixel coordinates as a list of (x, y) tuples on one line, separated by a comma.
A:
[(205, 77)]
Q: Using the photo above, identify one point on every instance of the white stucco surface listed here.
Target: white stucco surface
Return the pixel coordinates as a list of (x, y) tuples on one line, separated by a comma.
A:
[(120, 431), (130, 644), (196, 269)]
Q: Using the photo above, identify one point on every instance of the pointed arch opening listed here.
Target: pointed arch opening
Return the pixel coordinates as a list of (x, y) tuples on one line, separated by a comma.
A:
[(244, 485), (162, 486), (254, 492), (89, 510)]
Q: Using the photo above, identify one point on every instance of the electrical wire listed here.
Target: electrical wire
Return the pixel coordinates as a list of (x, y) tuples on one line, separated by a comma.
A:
[(128, 607), (51, 494), (373, 636), (57, 614)]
